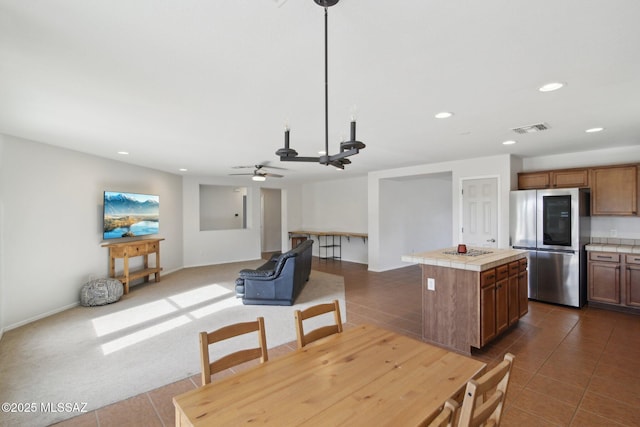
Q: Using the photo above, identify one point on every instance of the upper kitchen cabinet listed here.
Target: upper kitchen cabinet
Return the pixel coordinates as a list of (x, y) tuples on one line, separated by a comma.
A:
[(563, 178), (533, 180), (614, 190)]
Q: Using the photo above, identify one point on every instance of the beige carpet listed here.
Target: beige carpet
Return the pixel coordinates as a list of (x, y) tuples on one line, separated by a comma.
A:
[(100, 355)]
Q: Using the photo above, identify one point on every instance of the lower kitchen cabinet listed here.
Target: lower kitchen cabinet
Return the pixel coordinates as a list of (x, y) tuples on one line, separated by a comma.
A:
[(465, 308), (632, 280), (604, 277), (502, 298), (501, 302), (514, 302), (614, 280), (523, 287)]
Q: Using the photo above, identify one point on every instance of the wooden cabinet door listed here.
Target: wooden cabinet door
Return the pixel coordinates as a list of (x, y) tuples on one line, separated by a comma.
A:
[(513, 301), (487, 306), (512, 293), (632, 283), (523, 293), (570, 178), (523, 286), (604, 282), (487, 313), (502, 305), (533, 180), (614, 191)]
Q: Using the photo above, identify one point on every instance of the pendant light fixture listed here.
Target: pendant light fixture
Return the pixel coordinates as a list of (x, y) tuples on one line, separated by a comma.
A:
[(347, 148)]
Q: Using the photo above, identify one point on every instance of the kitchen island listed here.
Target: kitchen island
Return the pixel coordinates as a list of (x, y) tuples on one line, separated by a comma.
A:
[(470, 299)]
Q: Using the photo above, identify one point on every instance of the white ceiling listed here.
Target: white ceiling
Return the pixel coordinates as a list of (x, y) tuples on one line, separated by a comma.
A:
[(208, 85)]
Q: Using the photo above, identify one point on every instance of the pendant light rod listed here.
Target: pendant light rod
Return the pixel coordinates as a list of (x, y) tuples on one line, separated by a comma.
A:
[(347, 148), (326, 84)]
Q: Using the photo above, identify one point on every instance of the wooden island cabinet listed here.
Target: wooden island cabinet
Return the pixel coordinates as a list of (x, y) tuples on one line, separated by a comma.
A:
[(470, 299)]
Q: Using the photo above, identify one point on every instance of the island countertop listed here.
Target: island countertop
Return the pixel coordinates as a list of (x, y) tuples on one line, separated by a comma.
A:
[(476, 258)]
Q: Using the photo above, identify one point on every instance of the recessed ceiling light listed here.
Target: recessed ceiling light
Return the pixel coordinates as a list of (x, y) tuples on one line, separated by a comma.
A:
[(593, 130), (182, 170), (124, 153), (443, 115), (550, 87), (511, 142)]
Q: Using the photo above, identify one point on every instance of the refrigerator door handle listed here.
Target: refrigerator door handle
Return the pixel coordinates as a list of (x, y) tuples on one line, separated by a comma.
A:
[(557, 251)]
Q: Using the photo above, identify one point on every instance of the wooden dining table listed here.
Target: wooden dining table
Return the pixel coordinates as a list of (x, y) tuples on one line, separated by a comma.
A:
[(365, 375)]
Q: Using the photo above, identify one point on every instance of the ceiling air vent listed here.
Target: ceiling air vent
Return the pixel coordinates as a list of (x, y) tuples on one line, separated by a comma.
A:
[(531, 128)]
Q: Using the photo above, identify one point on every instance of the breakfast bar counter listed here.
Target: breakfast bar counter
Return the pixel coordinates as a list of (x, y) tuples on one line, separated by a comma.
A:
[(469, 299), (475, 259)]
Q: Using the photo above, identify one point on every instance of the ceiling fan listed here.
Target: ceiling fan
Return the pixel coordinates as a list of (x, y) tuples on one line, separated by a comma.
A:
[(258, 174)]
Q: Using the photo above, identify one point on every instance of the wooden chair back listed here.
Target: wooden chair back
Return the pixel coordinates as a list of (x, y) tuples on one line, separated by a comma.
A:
[(206, 339), (321, 332), (447, 416), (480, 409)]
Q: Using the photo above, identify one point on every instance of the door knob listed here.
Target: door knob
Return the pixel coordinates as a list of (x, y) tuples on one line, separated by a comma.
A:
[(491, 240)]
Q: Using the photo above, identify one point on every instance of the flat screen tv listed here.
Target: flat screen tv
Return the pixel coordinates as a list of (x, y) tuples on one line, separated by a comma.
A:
[(130, 214)]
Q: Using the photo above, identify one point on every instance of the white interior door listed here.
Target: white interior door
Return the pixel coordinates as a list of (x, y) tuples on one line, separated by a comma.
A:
[(480, 212)]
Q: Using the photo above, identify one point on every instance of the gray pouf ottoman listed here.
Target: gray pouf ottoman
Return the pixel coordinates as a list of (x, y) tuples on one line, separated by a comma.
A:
[(101, 292)]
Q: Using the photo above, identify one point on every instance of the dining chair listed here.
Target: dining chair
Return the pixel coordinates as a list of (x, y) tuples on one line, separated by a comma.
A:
[(232, 359), (321, 332), (446, 417), (478, 408)]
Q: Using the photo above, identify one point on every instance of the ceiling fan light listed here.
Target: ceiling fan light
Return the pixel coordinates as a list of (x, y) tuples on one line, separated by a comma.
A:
[(258, 178)]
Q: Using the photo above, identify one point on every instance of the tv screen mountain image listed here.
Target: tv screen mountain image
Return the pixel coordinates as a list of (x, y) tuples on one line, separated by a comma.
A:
[(130, 214)]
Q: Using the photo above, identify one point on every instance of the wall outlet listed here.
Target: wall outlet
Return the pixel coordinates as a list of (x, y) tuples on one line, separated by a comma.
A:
[(431, 284)]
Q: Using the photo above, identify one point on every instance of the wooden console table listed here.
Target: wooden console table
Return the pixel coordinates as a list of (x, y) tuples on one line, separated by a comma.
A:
[(126, 250)]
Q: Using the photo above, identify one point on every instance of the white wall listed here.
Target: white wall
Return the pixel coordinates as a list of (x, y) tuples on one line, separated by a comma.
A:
[(221, 207), (616, 227), (51, 228), (223, 246), (271, 220), (2, 279), (380, 234), (416, 213), (338, 205)]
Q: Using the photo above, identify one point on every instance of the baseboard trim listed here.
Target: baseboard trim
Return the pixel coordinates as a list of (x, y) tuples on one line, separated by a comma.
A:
[(41, 316), (58, 310)]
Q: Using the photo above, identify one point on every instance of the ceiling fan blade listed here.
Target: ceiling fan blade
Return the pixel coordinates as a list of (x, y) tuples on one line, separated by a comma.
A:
[(272, 175), (249, 174), (273, 167)]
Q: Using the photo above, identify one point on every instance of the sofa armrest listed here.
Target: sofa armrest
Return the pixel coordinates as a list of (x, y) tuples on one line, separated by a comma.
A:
[(275, 256), (257, 274)]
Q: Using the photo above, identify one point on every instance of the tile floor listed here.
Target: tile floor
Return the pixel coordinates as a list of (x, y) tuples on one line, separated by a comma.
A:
[(573, 367)]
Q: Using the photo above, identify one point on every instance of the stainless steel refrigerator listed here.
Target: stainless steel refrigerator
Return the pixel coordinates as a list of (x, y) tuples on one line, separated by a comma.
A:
[(554, 226)]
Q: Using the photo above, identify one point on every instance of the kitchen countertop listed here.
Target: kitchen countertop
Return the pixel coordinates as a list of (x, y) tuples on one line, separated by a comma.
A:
[(608, 247), (448, 257)]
